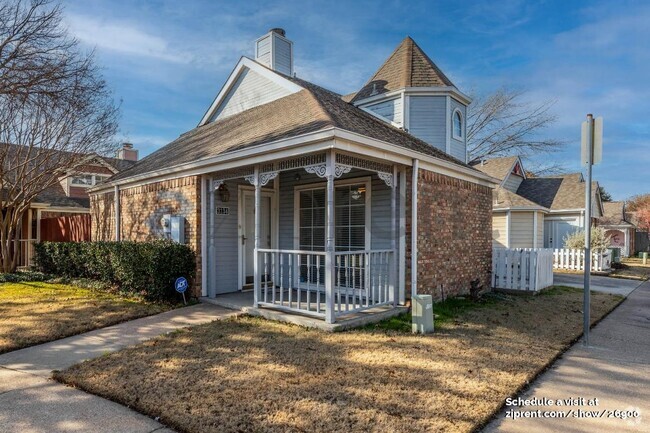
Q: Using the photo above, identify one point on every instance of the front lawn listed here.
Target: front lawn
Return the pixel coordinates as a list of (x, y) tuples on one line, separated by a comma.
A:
[(252, 375), (36, 312), (632, 268)]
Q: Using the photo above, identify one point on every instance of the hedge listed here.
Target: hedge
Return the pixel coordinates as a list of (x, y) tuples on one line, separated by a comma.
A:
[(148, 269)]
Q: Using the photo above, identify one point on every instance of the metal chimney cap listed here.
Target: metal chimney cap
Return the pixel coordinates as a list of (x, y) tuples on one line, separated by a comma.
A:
[(127, 146), (278, 30)]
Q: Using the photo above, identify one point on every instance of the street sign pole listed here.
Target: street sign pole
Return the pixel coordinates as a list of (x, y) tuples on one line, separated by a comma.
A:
[(587, 223), (592, 153)]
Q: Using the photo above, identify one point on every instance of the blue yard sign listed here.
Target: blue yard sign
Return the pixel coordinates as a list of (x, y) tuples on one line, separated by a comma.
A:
[(181, 286)]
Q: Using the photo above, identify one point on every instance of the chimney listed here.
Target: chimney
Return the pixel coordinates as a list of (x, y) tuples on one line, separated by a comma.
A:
[(127, 152), (275, 51)]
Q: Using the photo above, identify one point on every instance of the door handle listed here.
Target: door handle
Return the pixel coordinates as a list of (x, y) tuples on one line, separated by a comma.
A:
[(243, 239)]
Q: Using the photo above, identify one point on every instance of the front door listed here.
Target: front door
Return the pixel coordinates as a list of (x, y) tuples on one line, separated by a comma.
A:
[(248, 233)]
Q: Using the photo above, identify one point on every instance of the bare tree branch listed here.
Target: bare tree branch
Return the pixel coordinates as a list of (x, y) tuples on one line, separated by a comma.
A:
[(55, 110), (501, 124)]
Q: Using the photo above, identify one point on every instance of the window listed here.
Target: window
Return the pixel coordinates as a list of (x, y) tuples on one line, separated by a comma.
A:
[(87, 180), (349, 224), (458, 125), (350, 217)]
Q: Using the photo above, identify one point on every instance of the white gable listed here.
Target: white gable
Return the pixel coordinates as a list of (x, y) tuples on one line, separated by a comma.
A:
[(248, 86), (249, 90)]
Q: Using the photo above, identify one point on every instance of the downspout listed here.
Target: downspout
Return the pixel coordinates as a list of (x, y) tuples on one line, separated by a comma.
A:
[(414, 229), (117, 213)]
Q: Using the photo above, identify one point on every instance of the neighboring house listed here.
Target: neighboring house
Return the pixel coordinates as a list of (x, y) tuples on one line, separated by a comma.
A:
[(536, 212), (62, 211), (618, 227), (288, 188)]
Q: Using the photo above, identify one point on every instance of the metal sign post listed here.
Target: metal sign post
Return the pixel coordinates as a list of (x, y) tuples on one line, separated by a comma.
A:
[(592, 151)]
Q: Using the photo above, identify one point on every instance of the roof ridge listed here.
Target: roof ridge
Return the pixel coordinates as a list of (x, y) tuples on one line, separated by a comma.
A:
[(409, 61)]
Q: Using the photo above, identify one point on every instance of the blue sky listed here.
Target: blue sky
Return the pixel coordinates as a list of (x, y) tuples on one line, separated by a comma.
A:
[(166, 60)]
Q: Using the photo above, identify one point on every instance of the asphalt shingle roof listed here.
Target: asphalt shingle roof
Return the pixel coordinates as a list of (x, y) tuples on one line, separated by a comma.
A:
[(308, 110), (556, 192), (614, 214), (505, 199), (407, 66), (495, 167)]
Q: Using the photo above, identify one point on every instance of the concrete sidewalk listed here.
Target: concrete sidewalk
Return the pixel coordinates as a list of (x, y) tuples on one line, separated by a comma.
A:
[(615, 369), (615, 286), (30, 402)]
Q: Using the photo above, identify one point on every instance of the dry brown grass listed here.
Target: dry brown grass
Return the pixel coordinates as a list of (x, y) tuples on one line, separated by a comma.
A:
[(251, 375), (633, 268), (33, 313)]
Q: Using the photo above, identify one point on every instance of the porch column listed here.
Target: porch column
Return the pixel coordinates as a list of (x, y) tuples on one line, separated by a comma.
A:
[(117, 213), (393, 236), (28, 243), (329, 246), (256, 258), (212, 262), (38, 225), (204, 236)]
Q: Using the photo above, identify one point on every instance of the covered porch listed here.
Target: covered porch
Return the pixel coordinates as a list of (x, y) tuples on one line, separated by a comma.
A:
[(317, 238)]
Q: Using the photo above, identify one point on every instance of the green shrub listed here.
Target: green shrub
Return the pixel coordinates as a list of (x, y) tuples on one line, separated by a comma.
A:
[(148, 269)]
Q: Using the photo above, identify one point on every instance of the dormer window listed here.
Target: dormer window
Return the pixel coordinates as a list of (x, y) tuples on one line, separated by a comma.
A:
[(457, 126), (87, 180)]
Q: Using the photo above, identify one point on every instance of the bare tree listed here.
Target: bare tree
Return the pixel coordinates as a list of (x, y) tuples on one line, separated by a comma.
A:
[(502, 124), (55, 110)]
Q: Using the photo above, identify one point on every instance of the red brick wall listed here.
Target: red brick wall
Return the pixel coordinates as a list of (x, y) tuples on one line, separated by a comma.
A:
[(141, 209), (454, 234)]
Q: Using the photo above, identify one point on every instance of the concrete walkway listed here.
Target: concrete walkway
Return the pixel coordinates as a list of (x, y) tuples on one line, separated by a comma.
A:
[(616, 286), (615, 369), (30, 402)]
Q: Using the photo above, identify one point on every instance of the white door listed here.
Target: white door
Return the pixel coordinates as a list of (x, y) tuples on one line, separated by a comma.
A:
[(248, 233)]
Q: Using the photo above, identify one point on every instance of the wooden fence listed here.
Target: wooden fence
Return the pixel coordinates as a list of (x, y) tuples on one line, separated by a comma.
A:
[(522, 269), (574, 260), (642, 242), (71, 228)]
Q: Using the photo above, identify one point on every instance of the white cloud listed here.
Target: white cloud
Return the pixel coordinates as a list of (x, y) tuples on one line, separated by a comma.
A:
[(124, 38)]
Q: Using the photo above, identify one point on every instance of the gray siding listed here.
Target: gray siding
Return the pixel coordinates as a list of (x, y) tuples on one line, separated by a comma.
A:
[(379, 207), (391, 109), (458, 148), (428, 118), (282, 55), (512, 183), (249, 90)]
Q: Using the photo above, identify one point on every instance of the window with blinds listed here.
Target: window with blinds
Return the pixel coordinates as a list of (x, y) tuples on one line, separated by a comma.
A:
[(349, 218)]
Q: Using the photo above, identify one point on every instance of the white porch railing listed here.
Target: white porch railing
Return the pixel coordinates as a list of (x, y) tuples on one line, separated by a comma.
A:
[(26, 253), (574, 260), (363, 280), (295, 281), (524, 269)]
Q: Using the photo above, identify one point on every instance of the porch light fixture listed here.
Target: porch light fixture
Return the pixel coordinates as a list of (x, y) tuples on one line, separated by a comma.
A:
[(224, 194), (356, 193), (297, 177)]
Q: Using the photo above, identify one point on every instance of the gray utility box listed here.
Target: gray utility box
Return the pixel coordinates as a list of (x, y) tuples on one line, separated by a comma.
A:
[(422, 311)]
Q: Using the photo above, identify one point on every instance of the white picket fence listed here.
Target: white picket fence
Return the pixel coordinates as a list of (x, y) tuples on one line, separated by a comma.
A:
[(574, 260), (524, 269)]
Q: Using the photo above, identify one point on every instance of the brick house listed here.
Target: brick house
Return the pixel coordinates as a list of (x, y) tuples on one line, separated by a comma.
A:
[(62, 211), (301, 200)]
